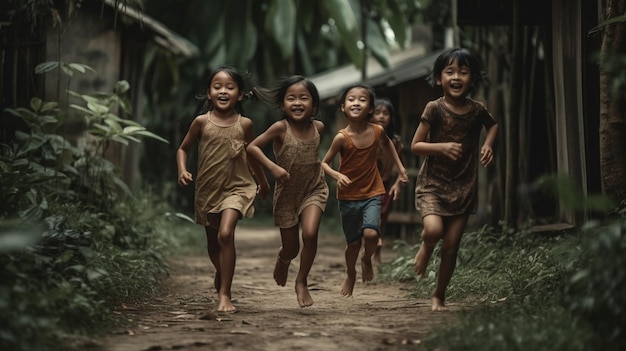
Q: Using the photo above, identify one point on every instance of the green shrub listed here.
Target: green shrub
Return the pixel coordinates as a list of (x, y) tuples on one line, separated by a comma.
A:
[(596, 294)]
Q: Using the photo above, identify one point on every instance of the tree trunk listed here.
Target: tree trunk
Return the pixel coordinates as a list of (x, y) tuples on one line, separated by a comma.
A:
[(612, 126)]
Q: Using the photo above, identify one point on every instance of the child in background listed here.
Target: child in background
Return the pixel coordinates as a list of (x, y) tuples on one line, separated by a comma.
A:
[(448, 135), (359, 185), (225, 188), (385, 116), (300, 192)]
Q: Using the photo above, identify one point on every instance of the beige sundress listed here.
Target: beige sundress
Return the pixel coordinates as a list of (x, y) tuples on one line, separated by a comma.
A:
[(223, 178), (307, 183)]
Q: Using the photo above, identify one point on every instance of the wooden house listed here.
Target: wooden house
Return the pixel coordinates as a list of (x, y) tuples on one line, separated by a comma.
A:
[(547, 105), (109, 37)]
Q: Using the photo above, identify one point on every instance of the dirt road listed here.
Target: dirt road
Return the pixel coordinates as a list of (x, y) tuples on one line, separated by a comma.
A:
[(379, 316)]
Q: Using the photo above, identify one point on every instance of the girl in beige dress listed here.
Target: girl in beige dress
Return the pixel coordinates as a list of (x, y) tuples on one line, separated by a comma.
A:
[(300, 192), (225, 188)]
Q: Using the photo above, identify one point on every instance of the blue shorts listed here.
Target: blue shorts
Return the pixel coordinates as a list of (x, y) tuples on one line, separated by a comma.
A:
[(357, 215)]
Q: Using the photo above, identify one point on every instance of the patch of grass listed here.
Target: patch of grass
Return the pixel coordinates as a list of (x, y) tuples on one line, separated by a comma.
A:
[(529, 291)]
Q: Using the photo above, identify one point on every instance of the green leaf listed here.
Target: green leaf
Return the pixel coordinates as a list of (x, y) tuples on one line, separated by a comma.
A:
[(281, 22), (46, 67), (348, 26), (35, 103), (98, 108), (121, 87), (398, 22), (152, 135), (48, 106), (377, 43), (132, 129)]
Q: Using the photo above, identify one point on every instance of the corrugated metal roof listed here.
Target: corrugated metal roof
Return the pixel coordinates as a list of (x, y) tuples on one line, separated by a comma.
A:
[(405, 65)]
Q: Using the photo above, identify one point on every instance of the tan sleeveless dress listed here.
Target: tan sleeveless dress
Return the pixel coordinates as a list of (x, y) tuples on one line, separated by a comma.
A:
[(223, 178), (307, 183)]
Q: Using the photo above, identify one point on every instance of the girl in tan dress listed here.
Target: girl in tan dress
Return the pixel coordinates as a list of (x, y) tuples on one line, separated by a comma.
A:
[(225, 188), (448, 135), (300, 192)]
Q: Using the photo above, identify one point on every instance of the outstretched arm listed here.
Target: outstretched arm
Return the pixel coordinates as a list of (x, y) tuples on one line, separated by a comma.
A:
[(486, 151), (335, 148), (255, 149), (391, 151), (264, 187), (184, 176)]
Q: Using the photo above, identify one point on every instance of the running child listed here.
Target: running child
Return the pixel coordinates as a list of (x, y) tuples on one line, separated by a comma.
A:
[(225, 187), (300, 192), (384, 114), (359, 185), (448, 136)]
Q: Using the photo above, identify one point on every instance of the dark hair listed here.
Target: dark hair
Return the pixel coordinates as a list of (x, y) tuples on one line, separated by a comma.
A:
[(464, 57), (236, 76), (276, 95), (382, 101), (370, 91)]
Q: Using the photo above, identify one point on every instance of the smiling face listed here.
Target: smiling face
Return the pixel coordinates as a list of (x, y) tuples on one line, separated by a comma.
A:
[(357, 104), (298, 102), (224, 92), (455, 80)]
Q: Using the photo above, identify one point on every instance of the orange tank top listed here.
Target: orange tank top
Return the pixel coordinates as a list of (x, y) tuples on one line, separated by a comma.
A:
[(360, 166)]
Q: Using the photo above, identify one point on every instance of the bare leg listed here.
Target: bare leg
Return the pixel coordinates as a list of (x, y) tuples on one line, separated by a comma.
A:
[(454, 227), (432, 233), (379, 244), (370, 237), (227, 258), (281, 268), (310, 219), (289, 250), (351, 254), (213, 248)]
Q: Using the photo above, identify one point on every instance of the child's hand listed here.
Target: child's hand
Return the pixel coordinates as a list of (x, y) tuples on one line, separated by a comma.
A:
[(184, 178), (451, 150), (403, 175), (280, 174), (343, 181), (486, 155), (263, 190), (394, 191)]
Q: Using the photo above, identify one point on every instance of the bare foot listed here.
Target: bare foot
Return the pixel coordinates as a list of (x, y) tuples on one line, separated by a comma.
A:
[(225, 305), (302, 293), (438, 305), (348, 285), (367, 272), (421, 259), (281, 270)]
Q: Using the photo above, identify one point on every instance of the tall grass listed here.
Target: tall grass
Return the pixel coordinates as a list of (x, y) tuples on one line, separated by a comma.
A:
[(530, 291)]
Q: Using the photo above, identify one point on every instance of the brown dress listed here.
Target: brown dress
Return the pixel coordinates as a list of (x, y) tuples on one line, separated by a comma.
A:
[(307, 183), (446, 187), (224, 179)]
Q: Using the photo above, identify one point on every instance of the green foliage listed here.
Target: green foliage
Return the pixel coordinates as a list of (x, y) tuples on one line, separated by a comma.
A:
[(73, 244), (559, 291), (595, 294)]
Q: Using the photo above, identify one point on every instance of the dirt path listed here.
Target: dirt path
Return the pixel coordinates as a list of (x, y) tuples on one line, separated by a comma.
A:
[(379, 316)]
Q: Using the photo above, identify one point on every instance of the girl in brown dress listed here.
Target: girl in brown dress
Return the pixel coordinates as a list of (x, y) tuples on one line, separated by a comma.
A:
[(300, 192), (448, 136), (225, 187)]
